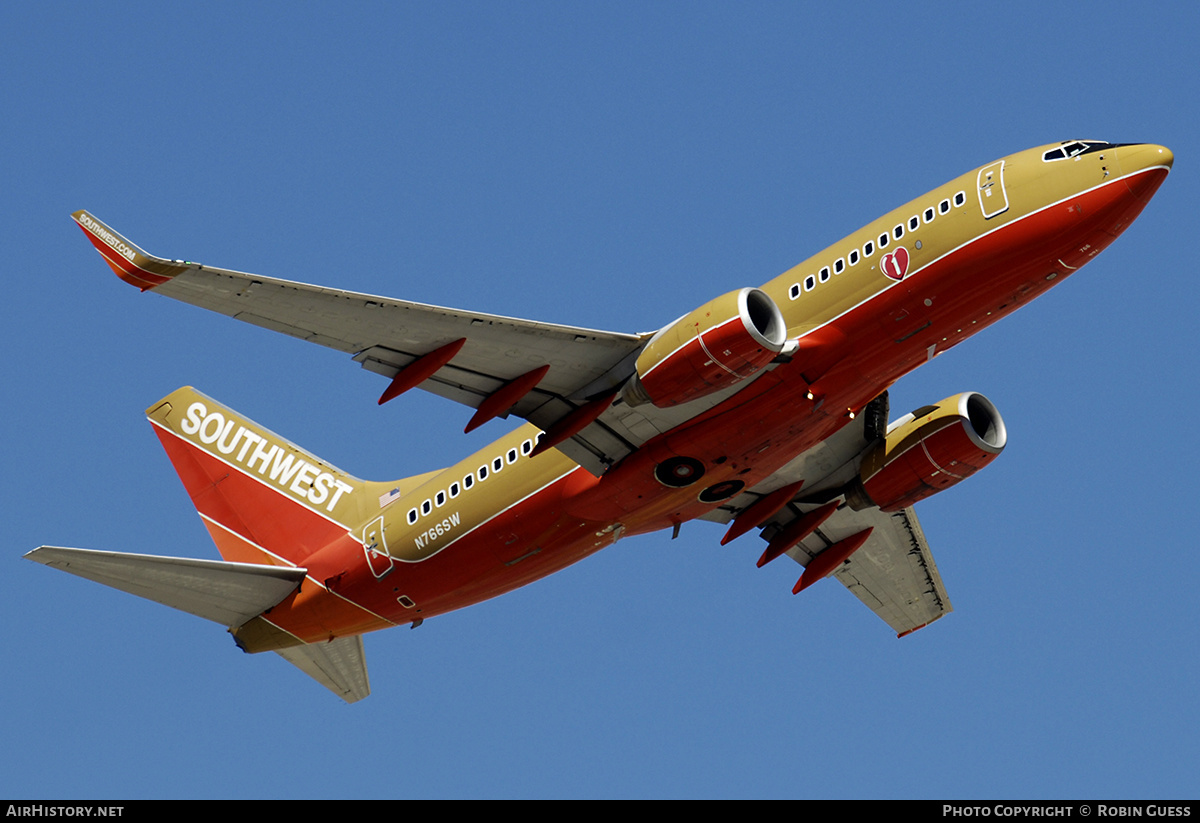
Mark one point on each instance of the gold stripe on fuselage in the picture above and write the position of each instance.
(1029, 183)
(477, 489)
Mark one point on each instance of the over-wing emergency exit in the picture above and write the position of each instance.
(765, 408)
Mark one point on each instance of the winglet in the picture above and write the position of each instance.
(131, 264)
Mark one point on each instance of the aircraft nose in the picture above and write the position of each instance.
(1140, 156)
(1150, 158)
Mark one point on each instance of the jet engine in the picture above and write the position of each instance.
(724, 342)
(929, 450)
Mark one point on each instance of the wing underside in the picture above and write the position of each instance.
(386, 335)
(893, 573)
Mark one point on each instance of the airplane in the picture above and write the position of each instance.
(765, 408)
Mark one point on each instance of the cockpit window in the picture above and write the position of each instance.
(1074, 148)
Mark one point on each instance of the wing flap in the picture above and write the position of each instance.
(226, 593)
(893, 574)
(499, 347)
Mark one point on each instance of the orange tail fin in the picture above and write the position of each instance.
(263, 499)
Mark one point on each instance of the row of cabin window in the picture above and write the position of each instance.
(497, 464)
(868, 248)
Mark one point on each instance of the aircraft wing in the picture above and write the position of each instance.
(893, 573)
(386, 335)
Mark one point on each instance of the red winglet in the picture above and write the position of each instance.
(128, 262)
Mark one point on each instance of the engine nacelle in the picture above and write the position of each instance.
(724, 342)
(929, 450)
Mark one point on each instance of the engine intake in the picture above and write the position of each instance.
(929, 450)
(725, 341)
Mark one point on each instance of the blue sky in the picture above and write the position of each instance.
(612, 166)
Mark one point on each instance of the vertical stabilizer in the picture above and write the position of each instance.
(262, 498)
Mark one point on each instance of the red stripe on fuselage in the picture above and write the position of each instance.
(985, 279)
(529, 540)
(325, 607)
(252, 522)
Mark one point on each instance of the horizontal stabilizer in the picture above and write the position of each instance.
(226, 593)
(339, 665)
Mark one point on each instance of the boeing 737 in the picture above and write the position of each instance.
(765, 408)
